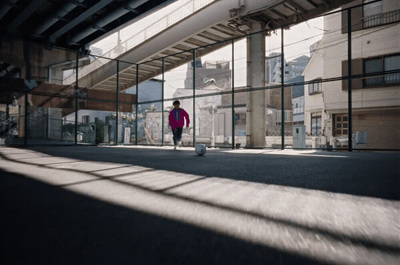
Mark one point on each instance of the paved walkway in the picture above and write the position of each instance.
(153, 205)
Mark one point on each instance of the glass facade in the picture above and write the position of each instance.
(307, 84)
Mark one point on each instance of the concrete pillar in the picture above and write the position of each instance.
(55, 75)
(35, 61)
(255, 104)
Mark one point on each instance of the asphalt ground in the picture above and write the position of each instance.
(154, 205)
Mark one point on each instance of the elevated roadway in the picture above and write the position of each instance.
(217, 23)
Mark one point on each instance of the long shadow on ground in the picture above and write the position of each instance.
(43, 224)
(361, 174)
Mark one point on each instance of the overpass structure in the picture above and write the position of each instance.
(206, 30)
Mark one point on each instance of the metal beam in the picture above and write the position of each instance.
(277, 13)
(25, 14)
(296, 6)
(98, 6)
(311, 2)
(62, 12)
(6, 7)
(132, 5)
(210, 36)
(228, 30)
(220, 33)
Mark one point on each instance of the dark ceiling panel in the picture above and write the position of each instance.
(80, 19)
(70, 24)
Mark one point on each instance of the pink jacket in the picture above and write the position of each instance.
(176, 118)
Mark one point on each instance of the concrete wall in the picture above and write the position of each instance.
(12, 52)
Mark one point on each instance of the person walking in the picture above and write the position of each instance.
(176, 121)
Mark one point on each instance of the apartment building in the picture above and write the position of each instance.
(375, 46)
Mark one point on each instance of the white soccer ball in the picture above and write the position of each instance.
(200, 149)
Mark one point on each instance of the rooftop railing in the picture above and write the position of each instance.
(382, 19)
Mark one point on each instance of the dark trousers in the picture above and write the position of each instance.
(177, 135)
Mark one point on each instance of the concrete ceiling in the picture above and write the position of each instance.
(69, 24)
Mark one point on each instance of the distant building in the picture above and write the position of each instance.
(209, 72)
(298, 100)
(273, 68)
(292, 74)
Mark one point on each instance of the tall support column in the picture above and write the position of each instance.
(282, 89)
(349, 90)
(137, 105)
(117, 105)
(255, 105)
(27, 58)
(233, 94)
(76, 96)
(162, 103)
(194, 98)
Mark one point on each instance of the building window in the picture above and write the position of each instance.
(341, 124)
(240, 118)
(372, 13)
(288, 114)
(85, 119)
(298, 107)
(392, 63)
(379, 65)
(316, 122)
(315, 87)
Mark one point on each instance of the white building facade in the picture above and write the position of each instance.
(375, 42)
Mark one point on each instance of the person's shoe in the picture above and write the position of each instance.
(180, 144)
(174, 147)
